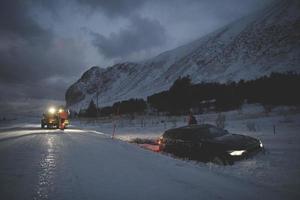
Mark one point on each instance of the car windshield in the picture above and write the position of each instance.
(195, 132)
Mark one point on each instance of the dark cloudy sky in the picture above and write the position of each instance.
(46, 45)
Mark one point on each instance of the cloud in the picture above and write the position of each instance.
(31, 53)
(43, 48)
(115, 8)
(19, 35)
(15, 20)
(178, 22)
(142, 34)
(30, 68)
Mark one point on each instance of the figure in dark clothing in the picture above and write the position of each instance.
(192, 119)
(62, 117)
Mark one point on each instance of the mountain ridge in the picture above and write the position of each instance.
(256, 45)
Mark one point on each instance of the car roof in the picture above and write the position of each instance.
(191, 132)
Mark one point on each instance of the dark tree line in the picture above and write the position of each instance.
(130, 106)
(177, 99)
(276, 89)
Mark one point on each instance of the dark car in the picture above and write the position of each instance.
(208, 143)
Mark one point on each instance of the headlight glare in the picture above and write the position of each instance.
(236, 152)
(51, 110)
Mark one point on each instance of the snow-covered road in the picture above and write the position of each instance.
(79, 164)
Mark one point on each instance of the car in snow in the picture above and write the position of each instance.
(208, 143)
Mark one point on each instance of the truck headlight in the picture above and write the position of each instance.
(236, 153)
(51, 110)
(261, 144)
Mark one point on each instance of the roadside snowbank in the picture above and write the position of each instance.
(278, 168)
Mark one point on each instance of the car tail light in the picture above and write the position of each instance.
(160, 140)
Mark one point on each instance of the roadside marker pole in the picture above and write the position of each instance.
(114, 130)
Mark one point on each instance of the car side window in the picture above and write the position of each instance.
(217, 132)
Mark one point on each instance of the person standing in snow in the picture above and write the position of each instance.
(192, 120)
(62, 116)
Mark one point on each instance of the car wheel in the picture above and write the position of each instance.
(221, 160)
(217, 160)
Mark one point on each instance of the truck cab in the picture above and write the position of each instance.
(55, 118)
(50, 119)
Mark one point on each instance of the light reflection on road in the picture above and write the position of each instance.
(6, 134)
(48, 163)
(46, 175)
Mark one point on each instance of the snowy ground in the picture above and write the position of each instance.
(278, 168)
(83, 164)
(79, 164)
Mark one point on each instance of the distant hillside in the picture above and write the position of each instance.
(264, 42)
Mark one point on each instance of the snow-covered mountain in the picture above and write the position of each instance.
(256, 45)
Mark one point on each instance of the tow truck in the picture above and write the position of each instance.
(55, 118)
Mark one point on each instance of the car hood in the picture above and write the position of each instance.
(238, 142)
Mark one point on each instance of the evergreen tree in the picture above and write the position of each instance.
(275, 89)
(91, 110)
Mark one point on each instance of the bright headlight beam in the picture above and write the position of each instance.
(260, 144)
(236, 153)
(51, 110)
